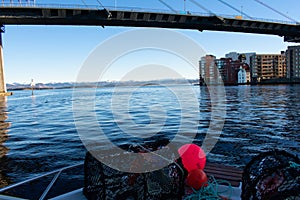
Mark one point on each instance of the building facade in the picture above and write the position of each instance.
(246, 68)
(268, 66)
(236, 55)
(229, 70)
(222, 65)
(293, 62)
(208, 71)
(243, 76)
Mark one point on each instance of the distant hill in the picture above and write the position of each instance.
(40, 86)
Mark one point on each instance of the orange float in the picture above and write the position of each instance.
(192, 156)
(196, 179)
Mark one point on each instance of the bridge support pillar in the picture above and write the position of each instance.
(3, 91)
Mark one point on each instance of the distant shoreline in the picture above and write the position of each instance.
(70, 85)
(148, 84)
(257, 84)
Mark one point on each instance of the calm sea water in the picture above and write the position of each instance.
(38, 133)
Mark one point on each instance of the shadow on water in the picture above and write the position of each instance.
(4, 125)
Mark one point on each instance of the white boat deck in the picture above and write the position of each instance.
(74, 195)
(232, 175)
(2, 197)
(78, 195)
(235, 194)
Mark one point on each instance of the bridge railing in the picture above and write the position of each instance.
(80, 6)
(133, 9)
(35, 5)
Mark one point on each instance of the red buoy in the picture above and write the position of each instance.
(196, 179)
(192, 156)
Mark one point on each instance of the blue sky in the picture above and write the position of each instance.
(56, 53)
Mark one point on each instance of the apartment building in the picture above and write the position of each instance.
(269, 66)
(293, 62)
(208, 71)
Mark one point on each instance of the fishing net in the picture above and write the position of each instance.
(103, 182)
(212, 191)
(273, 175)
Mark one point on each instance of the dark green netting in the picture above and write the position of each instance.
(103, 182)
(273, 175)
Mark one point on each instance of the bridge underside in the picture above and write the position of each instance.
(94, 17)
(292, 39)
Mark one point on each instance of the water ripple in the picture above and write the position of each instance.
(38, 134)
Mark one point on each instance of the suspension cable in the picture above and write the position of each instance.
(167, 5)
(232, 7)
(278, 12)
(202, 7)
(105, 9)
(101, 4)
(83, 1)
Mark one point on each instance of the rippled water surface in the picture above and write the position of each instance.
(38, 133)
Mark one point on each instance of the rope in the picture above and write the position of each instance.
(211, 191)
(294, 165)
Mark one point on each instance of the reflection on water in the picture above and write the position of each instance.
(259, 119)
(4, 125)
(42, 135)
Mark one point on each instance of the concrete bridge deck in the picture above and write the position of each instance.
(132, 18)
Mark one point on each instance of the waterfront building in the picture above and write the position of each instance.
(236, 55)
(248, 76)
(229, 70)
(208, 71)
(232, 55)
(223, 65)
(242, 76)
(268, 66)
(293, 63)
